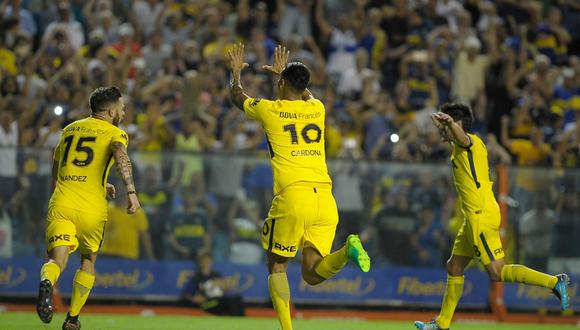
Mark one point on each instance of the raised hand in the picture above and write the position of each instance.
(443, 118)
(236, 55)
(280, 60)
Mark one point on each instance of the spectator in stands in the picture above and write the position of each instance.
(428, 240)
(126, 234)
(156, 52)
(536, 228)
(295, 18)
(206, 290)
(342, 41)
(6, 247)
(188, 166)
(146, 14)
(244, 222)
(392, 227)
(567, 230)
(155, 201)
(25, 19)
(8, 152)
(416, 89)
(72, 30)
(188, 231)
(350, 85)
(470, 67)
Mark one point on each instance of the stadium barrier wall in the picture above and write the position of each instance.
(166, 280)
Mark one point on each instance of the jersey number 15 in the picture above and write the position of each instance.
(80, 147)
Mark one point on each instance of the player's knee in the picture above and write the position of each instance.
(453, 268)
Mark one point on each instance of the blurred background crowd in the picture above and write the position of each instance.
(379, 66)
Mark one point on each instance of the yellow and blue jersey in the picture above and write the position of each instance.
(471, 176)
(295, 133)
(84, 159)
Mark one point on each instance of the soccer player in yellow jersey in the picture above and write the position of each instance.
(478, 237)
(303, 212)
(77, 211)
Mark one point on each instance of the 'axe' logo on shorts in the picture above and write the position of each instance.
(497, 251)
(61, 237)
(285, 248)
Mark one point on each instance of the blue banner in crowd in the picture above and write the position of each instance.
(166, 280)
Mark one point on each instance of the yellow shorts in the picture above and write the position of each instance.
(303, 214)
(479, 238)
(75, 229)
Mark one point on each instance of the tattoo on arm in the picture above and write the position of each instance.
(237, 94)
(123, 165)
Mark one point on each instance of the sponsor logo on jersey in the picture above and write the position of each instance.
(61, 237)
(293, 115)
(289, 248)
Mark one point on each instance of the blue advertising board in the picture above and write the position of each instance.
(165, 280)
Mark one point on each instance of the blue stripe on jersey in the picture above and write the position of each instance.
(486, 247)
(472, 166)
(271, 240)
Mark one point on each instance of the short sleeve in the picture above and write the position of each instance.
(120, 136)
(255, 107)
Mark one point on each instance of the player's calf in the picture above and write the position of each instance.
(494, 270)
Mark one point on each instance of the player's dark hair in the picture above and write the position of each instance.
(459, 112)
(297, 75)
(102, 97)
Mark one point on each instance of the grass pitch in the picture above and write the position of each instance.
(29, 321)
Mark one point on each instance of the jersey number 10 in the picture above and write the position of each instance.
(79, 148)
(310, 127)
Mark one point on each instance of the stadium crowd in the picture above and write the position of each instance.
(380, 67)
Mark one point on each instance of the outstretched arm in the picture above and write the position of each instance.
(237, 64)
(123, 165)
(452, 129)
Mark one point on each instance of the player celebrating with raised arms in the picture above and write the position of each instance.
(303, 212)
(478, 237)
(77, 211)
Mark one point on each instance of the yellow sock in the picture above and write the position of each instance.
(332, 263)
(82, 285)
(523, 274)
(453, 292)
(50, 271)
(280, 294)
